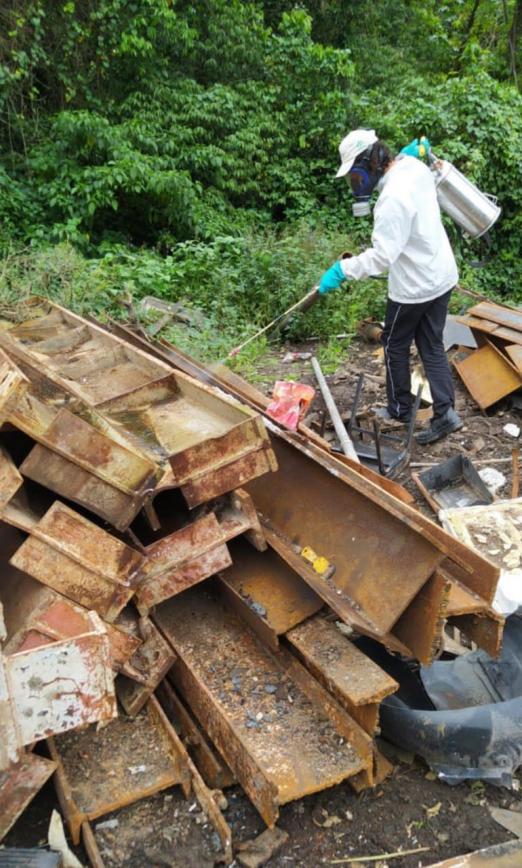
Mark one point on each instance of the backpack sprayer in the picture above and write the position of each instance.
(473, 211)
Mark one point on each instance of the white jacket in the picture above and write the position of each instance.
(408, 237)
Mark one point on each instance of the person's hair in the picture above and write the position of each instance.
(380, 156)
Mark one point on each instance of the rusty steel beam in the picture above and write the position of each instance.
(277, 728)
(19, 784)
(266, 593)
(180, 560)
(128, 760)
(10, 478)
(355, 681)
(151, 662)
(211, 765)
(35, 614)
(211, 442)
(76, 558)
(59, 686)
(13, 384)
(383, 550)
(99, 771)
(229, 381)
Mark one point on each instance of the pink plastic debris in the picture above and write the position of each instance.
(290, 402)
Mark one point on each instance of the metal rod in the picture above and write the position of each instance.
(346, 444)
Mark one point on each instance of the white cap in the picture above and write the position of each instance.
(351, 146)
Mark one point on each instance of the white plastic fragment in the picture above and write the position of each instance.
(57, 842)
(107, 824)
(494, 479)
(512, 429)
(508, 596)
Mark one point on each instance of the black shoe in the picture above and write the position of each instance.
(440, 426)
(384, 415)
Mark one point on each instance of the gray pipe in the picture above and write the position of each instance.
(344, 439)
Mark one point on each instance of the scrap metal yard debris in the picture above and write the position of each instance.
(177, 577)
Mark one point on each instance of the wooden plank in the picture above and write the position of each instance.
(488, 376)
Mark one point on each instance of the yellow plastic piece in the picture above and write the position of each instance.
(319, 563)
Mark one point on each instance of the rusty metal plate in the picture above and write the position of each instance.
(85, 563)
(505, 316)
(486, 630)
(188, 423)
(68, 480)
(10, 478)
(380, 562)
(180, 560)
(151, 662)
(279, 731)
(233, 475)
(346, 672)
(488, 375)
(62, 685)
(211, 765)
(19, 785)
(102, 770)
(13, 384)
(514, 352)
(36, 615)
(118, 465)
(266, 592)
(421, 626)
(462, 601)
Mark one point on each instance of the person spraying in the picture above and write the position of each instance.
(410, 243)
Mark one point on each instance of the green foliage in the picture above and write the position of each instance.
(188, 149)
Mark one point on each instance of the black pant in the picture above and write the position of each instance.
(424, 323)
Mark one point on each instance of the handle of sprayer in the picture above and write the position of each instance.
(301, 305)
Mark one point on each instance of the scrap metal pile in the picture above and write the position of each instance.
(182, 581)
(494, 369)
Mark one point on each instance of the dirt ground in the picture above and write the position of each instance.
(412, 809)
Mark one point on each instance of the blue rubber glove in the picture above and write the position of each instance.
(331, 279)
(417, 148)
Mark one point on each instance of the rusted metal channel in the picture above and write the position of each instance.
(266, 593)
(350, 676)
(19, 784)
(99, 771)
(280, 732)
(126, 761)
(75, 557)
(60, 686)
(222, 377)
(36, 615)
(122, 397)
